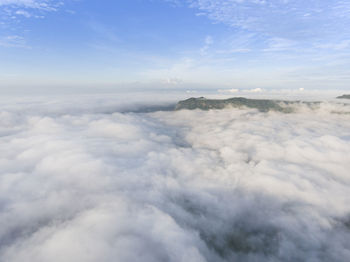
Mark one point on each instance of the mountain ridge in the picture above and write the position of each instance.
(263, 105)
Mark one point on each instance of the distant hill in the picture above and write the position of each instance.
(263, 105)
(344, 97)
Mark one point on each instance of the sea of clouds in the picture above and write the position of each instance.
(96, 179)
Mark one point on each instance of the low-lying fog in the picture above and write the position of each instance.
(96, 180)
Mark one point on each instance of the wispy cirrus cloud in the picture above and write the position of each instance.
(278, 33)
(207, 43)
(13, 41)
(47, 5)
(298, 22)
(12, 10)
(278, 25)
(293, 17)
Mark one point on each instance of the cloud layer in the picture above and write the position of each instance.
(229, 185)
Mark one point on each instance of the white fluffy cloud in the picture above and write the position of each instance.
(88, 183)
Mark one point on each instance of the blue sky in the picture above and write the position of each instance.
(47, 44)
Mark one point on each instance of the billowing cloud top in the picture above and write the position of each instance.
(82, 184)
